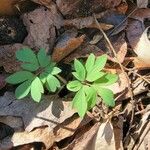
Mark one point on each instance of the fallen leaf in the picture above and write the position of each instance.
(49, 112)
(2, 81)
(122, 8)
(142, 3)
(142, 47)
(43, 2)
(67, 43)
(83, 51)
(87, 22)
(41, 31)
(8, 57)
(104, 139)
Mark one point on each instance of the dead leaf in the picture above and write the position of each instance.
(41, 25)
(8, 58)
(142, 3)
(49, 112)
(139, 64)
(83, 51)
(104, 139)
(67, 43)
(43, 2)
(87, 22)
(122, 8)
(2, 81)
(142, 47)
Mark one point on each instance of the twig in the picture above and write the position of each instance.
(61, 79)
(122, 69)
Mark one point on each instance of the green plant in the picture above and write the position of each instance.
(91, 82)
(38, 71)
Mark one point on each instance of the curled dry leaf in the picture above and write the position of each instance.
(8, 57)
(142, 47)
(87, 22)
(67, 43)
(50, 112)
(41, 25)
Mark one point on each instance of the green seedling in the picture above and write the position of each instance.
(38, 71)
(91, 82)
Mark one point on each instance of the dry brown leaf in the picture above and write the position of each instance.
(142, 3)
(104, 139)
(83, 51)
(122, 8)
(45, 135)
(49, 112)
(41, 25)
(67, 43)
(8, 58)
(43, 2)
(87, 22)
(2, 81)
(139, 64)
(142, 47)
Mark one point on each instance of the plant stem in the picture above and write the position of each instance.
(61, 79)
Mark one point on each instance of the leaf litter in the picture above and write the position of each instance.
(67, 30)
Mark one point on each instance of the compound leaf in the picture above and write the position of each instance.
(74, 86)
(43, 58)
(53, 83)
(27, 55)
(80, 70)
(43, 77)
(19, 77)
(80, 103)
(23, 89)
(36, 89)
(107, 96)
(90, 62)
(56, 71)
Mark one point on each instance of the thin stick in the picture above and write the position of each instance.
(122, 69)
(61, 79)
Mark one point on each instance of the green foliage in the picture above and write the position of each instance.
(38, 72)
(90, 83)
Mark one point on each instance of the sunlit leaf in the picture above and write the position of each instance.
(107, 79)
(94, 75)
(80, 70)
(90, 62)
(74, 86)
(43, 58)
(80, 103)
(36, 89)
(106, 95)
(56, 71)
(53, 83)
(19, 77)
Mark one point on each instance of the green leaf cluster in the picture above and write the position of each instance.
(91, 81)
(38, 71)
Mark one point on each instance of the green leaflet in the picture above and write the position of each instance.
(79, 103)
(107, 96)
(100, 62)
(19, 77)
(29, 67)
(23, 89)
(52, 83)
(36, 89)
(27, 55)
(91, 96)
(56, 71)
(90, 63)
(94, 75)
(80, 70)
(74, 86)
(43, 77)
(107, 79)
(43, 59)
